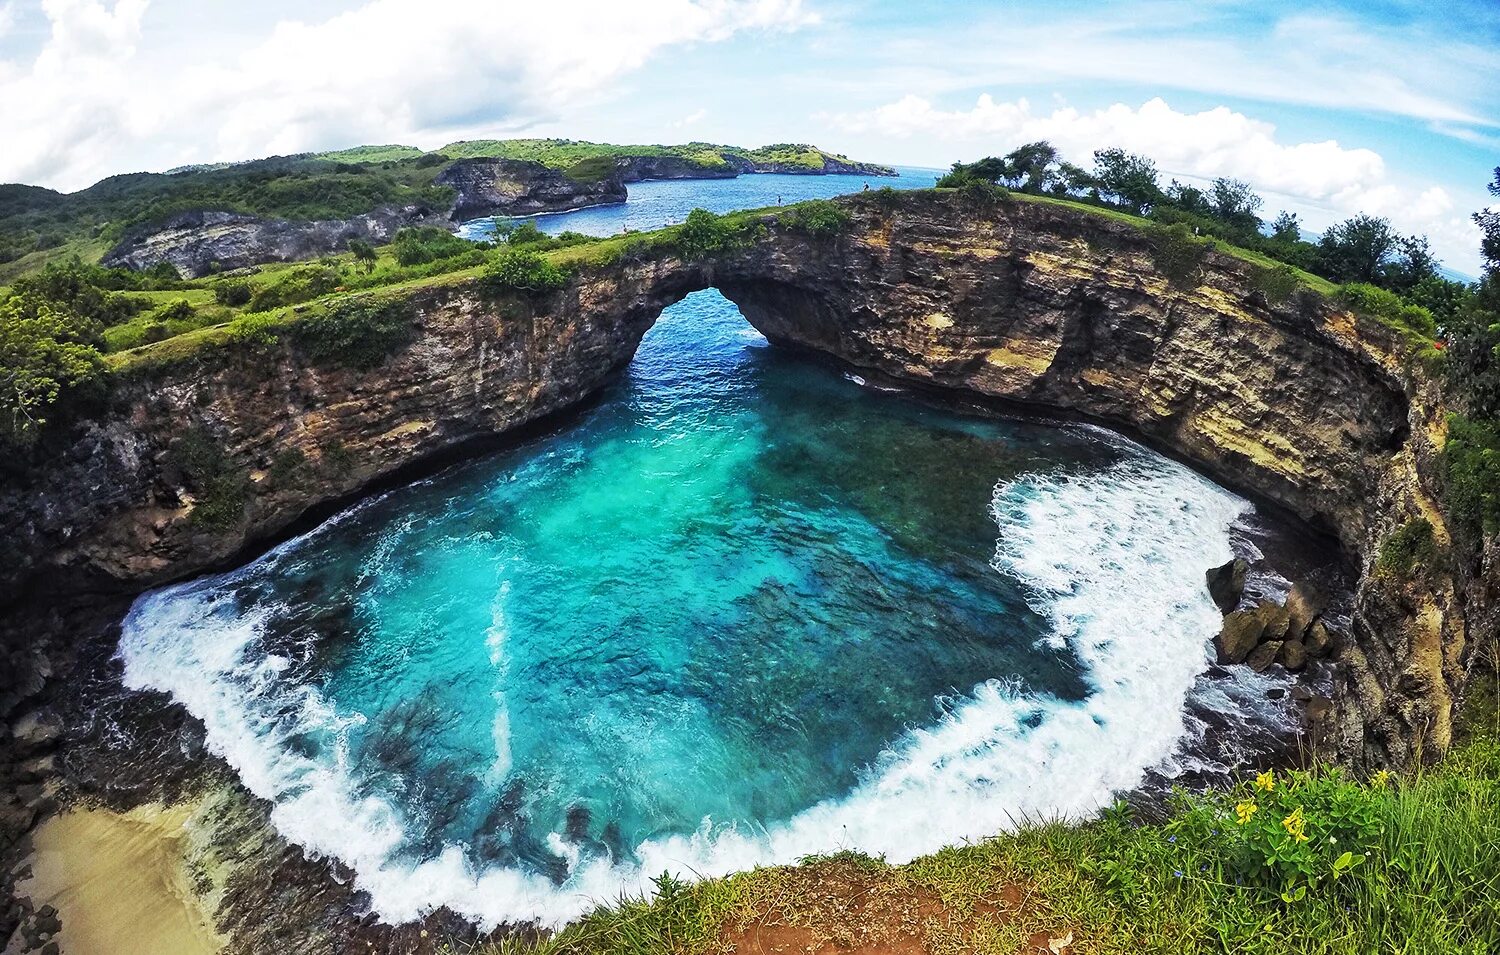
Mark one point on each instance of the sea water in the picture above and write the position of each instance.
(743, 609)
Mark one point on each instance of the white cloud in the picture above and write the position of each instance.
(1324, 181)
(694, 117)
(389, 70)
(7, 18)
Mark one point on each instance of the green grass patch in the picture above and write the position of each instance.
(1410, 549)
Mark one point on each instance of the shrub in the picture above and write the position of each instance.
(1277, 284)
(234, 293)
(818, 217)
(1409, 548)
(1471, 477)
(427, 244)
(222, 490)
(287, 466)
(180, 310)
(1178, 253)
(703, 235)
(355, 332)
(1387, 307)
(982, 192)
(522, 270)
(302, 285)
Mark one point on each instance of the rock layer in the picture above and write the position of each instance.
(201, 243)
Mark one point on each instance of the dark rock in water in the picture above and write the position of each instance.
(200, 243)
(1293, 655)
(509, 187)
(1242, 632)
(1263, 656)
(1303, 606)
(1275, 693)
(1319, 641)
(1227, 583)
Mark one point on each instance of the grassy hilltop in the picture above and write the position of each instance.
(40, 225)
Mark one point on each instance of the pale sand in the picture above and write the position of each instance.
(119, 883)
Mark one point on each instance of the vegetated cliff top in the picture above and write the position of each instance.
(39, 225)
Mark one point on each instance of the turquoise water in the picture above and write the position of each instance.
(663, 202)
(744, 608)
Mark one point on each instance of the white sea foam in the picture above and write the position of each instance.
(1113, 558)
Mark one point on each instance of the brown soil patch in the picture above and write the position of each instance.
(849, 908)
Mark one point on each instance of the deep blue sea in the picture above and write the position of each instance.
(745, 608)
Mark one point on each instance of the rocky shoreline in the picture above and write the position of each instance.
(1035, 305)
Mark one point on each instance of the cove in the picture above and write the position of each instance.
(745, 609)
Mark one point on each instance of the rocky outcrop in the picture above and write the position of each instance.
(642, 168)
(513, 187)
(832, 166)
(204, 242)
(1227, 583)
(1026, 303)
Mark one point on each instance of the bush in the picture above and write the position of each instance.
(234, 293)
(1409, 548)
(982, 192)
(355, 332)
(222, 490)
(302, 285)
(427, 244)
(704, 235)
(818, 217)
(1471, 477)
(1387, 307)
(1276, 284)
(1178, 253)
(522, 270)
(180, 310)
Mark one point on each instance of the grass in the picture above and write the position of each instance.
(1415, 870)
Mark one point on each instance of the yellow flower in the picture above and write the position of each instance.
(1380, 779)
(1245, 810)
(1295, 825)
(1265, 781)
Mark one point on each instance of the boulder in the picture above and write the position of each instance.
(1263, 656)
(1277, 620)
(1241, 633)
(1319, 641)
(1303, 606)
(1293, 655)
(1227, 583)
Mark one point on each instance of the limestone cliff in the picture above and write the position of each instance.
(1031, 303)
(513, 187)
(200, 243)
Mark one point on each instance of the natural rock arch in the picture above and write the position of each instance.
(1023, 302)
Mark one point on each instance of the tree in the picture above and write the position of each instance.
(1355, 250)
(45, 350)
(1235, 203)
(364, 254)
(1189, 199)
(1488, 221)
(1414, 264)
(1286, 228)
(1127, 179)
(1072, 180)
(1030, 166)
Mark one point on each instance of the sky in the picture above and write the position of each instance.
(1384, 106)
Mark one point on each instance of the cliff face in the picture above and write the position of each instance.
(512, 187)
(199, 243)
(1022, 302)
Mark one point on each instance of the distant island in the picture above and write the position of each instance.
(201, 219)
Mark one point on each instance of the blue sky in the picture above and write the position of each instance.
(1329, 108)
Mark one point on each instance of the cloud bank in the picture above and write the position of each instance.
(412, 69)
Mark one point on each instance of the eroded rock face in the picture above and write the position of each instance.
(201, 243)
(1028, 303)
(512, 187)
(1227, 583)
